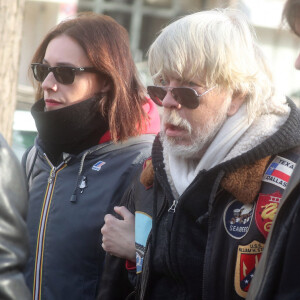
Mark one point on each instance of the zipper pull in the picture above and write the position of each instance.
(52, 175)
(83, 184)
(171, 213)
(73, 198)
(173, 207)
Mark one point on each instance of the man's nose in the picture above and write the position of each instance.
(170, 102)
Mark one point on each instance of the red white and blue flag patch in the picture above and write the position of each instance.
(97, 166)
(247, 260)
(279, 171)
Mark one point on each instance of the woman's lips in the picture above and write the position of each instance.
(52, 102)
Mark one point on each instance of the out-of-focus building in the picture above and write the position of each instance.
(280, 46)
(144, 19)
(39, 17)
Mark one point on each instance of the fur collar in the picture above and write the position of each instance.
(243, 184)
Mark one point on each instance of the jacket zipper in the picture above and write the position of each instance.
(170, 219)
(168, 261)
(145, 272)
(171, 213)
(42, 228)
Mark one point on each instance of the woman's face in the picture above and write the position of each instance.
(65, 51)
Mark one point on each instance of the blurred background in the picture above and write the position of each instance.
(143, 19)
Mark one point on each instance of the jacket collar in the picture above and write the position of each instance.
(243, 173)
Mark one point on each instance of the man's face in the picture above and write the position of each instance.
(297, 29)
(188, 132)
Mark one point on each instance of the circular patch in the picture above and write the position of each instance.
(237, 218)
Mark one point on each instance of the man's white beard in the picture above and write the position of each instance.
(200, 138)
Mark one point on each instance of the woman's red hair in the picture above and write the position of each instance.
(106, 45)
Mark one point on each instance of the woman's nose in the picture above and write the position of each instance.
(49, 82)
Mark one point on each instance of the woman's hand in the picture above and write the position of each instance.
(118, 235)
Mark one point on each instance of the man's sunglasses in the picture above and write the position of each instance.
(63, 74)
(185, 96)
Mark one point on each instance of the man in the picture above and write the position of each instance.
(13, 232)
(205, 201)
(277, 275)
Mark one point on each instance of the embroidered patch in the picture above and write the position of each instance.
(97, 166)
(237, 218)
(279, 171)
(248, 257)
(143, 225)
(265, 211)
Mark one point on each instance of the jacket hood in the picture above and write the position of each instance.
(287, 137)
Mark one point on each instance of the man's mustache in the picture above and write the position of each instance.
(171, 117)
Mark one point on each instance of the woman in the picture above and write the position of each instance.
(93, 124)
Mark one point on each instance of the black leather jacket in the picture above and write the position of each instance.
(13, 233)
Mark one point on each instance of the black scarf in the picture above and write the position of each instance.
(71, 129)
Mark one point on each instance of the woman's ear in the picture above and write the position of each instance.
(106, 86)
(237, 100)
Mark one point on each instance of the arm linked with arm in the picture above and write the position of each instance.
(115, 284)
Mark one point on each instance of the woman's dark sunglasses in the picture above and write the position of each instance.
(63, 74)
(185, 96)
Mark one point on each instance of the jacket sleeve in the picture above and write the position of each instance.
(13, 233)
(288, 287)
(277, 277)
(115, 283)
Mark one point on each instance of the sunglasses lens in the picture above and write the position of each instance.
(157, 94)
(64, 75)
(186, 97)
(40, 72)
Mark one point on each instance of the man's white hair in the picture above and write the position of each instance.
(216, 47)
